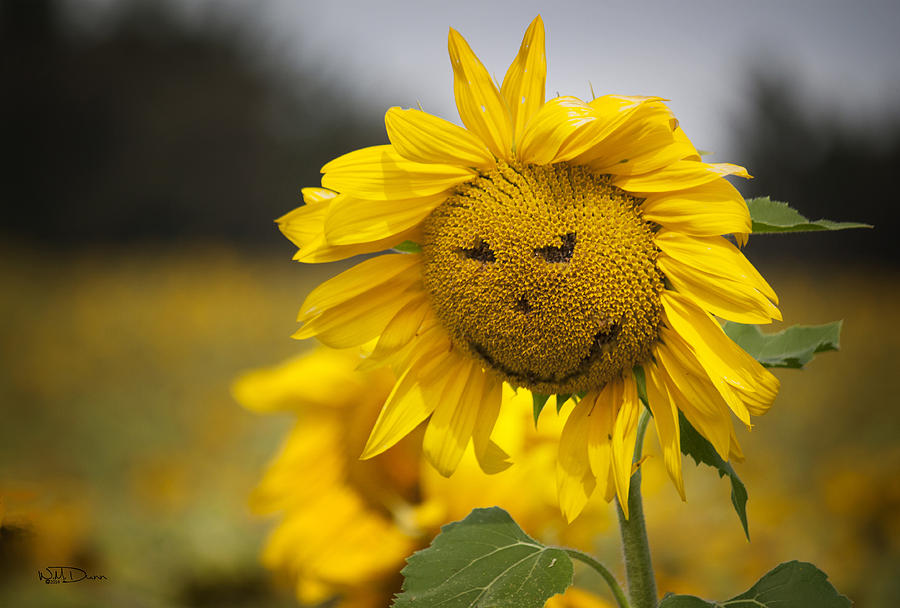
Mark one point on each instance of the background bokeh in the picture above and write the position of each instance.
(147, 147)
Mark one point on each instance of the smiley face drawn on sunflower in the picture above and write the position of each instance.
(547, 274)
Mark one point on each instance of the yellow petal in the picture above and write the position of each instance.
(403, 327)
(709, 210)
(713, 255)
(709, 395)
(380, 173)
(304, 224)
(481, 107)
(716, 428)
(355, 306)
(313, 591)
(574, 479)
(757, 403)
(423, 138)
(315, 441)
(406, 406)
(283, 387)
(305, 227)
(679, 175)
(491, 457)
(659, 151)
(353, 220)
(713, 393)
(696, 397)
(358, 320)
(429, 335)
(618, 109)
(312, 196)
(719, 356)
(624, 437)
(686, 144)
(552, 126)
(450, 428)
(644, 142)
(604, 406)
(566, 128)
(523, 85)
(325, 522)
(724, 297)
(665, 416)
(318, 250)
(335, 540)
(360, 278)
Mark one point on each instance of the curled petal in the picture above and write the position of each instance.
(712, 209)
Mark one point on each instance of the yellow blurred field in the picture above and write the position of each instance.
(122, 452)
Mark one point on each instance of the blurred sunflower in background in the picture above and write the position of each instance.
(562, 246)
(346, 526)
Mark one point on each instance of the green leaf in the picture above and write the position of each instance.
(408, 247)
(793, 347)
(696, 446)
(773, 216)
(686, 601)
(790, 585)
(539, 402)
(484, 561)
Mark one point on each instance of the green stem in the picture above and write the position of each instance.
(638, 569)
(606, 574)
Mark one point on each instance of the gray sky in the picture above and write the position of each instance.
(694, 52)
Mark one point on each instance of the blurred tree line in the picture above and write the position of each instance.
(808, 155)
(155, 128)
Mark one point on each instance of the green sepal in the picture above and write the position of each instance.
(773, 216)
(793, 347)
(484, 561)
(561, 400)
(539, 401)
(696, 446)
(408, 247)
(641, 381)
(790, 585)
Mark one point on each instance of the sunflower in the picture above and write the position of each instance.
(562, 246)
(345, 525)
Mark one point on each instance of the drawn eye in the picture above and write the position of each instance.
(607, 335)
(558, 253)
(480, 252)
